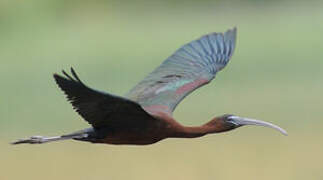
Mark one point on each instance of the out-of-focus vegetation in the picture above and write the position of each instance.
(275, 75)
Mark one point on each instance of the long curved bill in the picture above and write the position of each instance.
(246, 121)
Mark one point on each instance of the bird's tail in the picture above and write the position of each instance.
(79, 135)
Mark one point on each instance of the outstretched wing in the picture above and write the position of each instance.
(98, 108)
(190, 67)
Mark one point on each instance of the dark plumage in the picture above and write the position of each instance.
(144, 115)
(99, 108)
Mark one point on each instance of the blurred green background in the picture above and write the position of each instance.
(275, 75)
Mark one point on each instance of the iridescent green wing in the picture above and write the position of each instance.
(189, 68)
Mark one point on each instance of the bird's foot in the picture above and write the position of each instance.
(32, 140)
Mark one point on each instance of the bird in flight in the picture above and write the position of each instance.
(144, 115)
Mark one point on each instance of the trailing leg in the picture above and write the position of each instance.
(79, 135)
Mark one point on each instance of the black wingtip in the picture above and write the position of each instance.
(67, 75)
(56, 75)
(60, 79)
(75, 75)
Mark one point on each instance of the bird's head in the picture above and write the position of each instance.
(229, 122)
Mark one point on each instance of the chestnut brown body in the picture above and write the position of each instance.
(157, 128)
(144, 115)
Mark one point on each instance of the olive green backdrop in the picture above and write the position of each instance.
(276, 74)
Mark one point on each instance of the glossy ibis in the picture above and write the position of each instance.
(144, 115)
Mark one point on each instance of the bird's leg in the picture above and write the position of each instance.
(79, 135)
(43, 139)
(38, 140)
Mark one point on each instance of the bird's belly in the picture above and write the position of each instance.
(135, 136)
(126, 138)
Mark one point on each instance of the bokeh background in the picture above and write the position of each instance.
(275, 75)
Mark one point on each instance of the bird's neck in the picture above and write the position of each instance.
(176, 130)
(192, 132)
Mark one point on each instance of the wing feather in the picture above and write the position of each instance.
(189, 68)
(99, 108)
